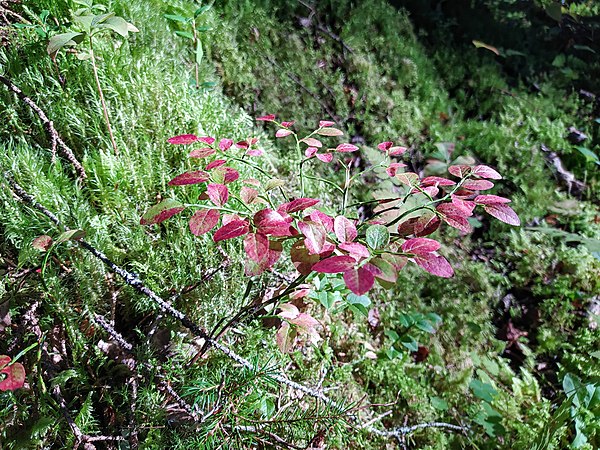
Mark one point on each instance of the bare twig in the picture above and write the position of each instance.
(56, 140)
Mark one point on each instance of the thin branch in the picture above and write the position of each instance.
(56, 140)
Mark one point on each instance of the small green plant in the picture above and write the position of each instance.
(190, 31)
(407, 335)
(584, 401)
(88, 22)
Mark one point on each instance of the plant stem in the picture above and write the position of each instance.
(104, 110)
(195, 59)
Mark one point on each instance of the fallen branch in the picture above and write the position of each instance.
(55, 139)
(133, 281)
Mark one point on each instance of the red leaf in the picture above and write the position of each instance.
(344, 229)
(282, 132)
(203, 221)
(407, 227)
(436, 265)
(325, 157)
(486, 172)
(393, 168)
(359, 281)
(420, 246)
(503, 213)
(225, 144)
(322, 218)
(345, 148)
(315, 236)
(436, 181)
(198, 176)
(297, 205)
(242, 144)
(217, 193)
(490, 200)
(312, 142)
(385, 146)
(355, 249)
(267, 118)
(231, 230)
(216, 163)
(460, 171)
(275, 250)
(454, 216)
(326, 123)
(467, 206)
(183, 139)
(302, 260)
(207, 140)
(271, 222)
(287, 124)
(202, 152)
(478, 185)
(15, 374)
(256, 246)
(42, 243)
(335, 264)
(248, 195)
(310, 152)
(229, 174)
(161, 212)
(254, 152)
(427, 224)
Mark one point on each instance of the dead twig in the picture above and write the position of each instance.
(55, 139)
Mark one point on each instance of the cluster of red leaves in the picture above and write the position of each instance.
(363, 253)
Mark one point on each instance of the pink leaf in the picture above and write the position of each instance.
(460, 171)
(256, 246)
(436, 181)
(226, 218)
(287, 124)
(282, 132)
(335, 264)
(275, 251)
(330, 132)
(232, 230)
(302, 260)
(271, 222)
(467, 206)
(486, 172)
(503, 212)
(216, 163)
(359, 281)
(315, 236)
(161, 212)
(393, 168)
(326, 123)
(42, 243)
(478, 185)
(305, 322)
(355, 249)
(312, 142)
(344, 229)
(15, 374)
(408, 178)
(297, 205)
(203, 221)
(255, 152)
(248, 195)
(454, 216)
(288, 311)
(345, 148)
(183, 139)
(385, 146)
(207, 140)
(225, 144)
(285, 337)
(251, 182)
(229, 174)
(198, 176)
(436, 265)
(202, 152)
(490, 200)
(310, 152)
(242, 144)
(267, 118)
(395, 151)
(427, 224)
(325, 157)
(420, 246)
(217, 193)
(385, 270)
(322, 218)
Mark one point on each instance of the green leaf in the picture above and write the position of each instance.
(185, 34)
(274, 183)
(439, 403)
(484, 391)
(177, 18)
(119, 26)
(101, 18)
(409, 342)
(589, 155)
(61, 40)
(425, 325)
(554, 11)
(203, 28)
(71, 235)
(480, 44)
(199, 52)
(201, 10)
(378, 237)
(391, 334)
